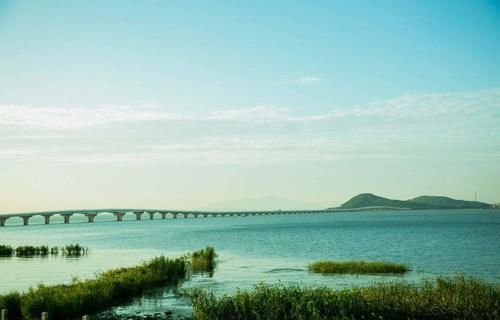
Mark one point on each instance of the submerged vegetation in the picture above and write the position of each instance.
(356, 267)
(71, 250)
(445, 298)
(89, 296)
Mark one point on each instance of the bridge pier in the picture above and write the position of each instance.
(46, 217)
(185, 215)
(214, 214)
(90, 217)
(25, 220)
(195, 215)
(174, 215)
(163, 215)
(119, 215)
(138, 215)
(151, 215)
(66, 217)
(205, 215)
(2, 221)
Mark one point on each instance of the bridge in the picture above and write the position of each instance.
(152, 213)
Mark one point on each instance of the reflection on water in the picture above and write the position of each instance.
(263, 248)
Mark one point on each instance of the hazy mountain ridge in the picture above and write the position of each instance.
(264, 203)
(421, 202)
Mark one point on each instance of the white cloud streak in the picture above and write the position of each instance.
(475, 104)
(303, 81)
(264, 134)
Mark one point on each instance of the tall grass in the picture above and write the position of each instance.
(29, 251)
(88, 296)
(11, 301)
(43, 251)
(79, 297)
(75, 250)
(354, 267)
(106, 289)
(203, 261)
(445, 298)
(6, 251)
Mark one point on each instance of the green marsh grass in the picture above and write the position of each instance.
(445, 298)
(30, 251)
(80, 297)
(6, 251)
(203, 261)
(73, 250)
(357, 267)
(88, 296)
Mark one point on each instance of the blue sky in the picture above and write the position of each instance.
(188, 103)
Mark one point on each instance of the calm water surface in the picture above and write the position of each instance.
(262, 248)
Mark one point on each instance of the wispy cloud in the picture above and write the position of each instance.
(15, 154)
(264, 134)
(305, 81)
(475, 104)
(302, 81)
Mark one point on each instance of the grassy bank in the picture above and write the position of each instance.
(89, 296)
(357, 267)
(445, 298)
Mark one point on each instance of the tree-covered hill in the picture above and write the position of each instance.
(422, 202)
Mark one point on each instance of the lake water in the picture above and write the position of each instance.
(262, 248)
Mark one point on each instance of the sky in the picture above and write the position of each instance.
(194, 104)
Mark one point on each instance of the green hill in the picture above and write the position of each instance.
(422, 202)
(448, 203)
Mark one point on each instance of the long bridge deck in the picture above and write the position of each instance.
(120, 213)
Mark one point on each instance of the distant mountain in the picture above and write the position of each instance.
(266, 203)
(422, 202)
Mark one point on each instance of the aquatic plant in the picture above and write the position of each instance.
(87, 296)
(6, 251)
(203, 260)
(445, 298)
(75, 250)
(29, 251)
(326, 267)
(106, 289)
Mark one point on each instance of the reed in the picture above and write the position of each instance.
(105, 290)
(6, 251)
(203, 261)
(445, 298)
(88, 296)
(357, 267)
(74, 250)
(11, 301)
(30, 251)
